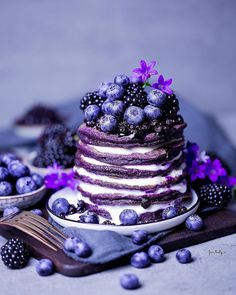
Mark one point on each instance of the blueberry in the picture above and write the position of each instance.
(114, 91)
(7, 158)
(108, 123)
(38, 179)
(169, 212)
(122, 80)
(184, 256)
(89, 218)
(128, 217)
(25, 185)
(156, 97)
(44, 267)
(114, 108)
(156, 253)
(194, 222)
(129, 281)
(11, 210)
(17, 169)
(5, 188)
(3, 173)
(103, 88)
(37, 212)
(134, 115)
(135, 79)
(140, 260)
(152, 112)
(139, 237)
(82, 249)
(92, 112)
(60, 207)
(71, 243)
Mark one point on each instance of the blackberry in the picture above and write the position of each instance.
(91, 98)
(108, 222)
(215, 195)
(171, 106)
(72, 209)
(81, 206)
(125, 129)
(56, 145)
(135, 95)
(145, 203)
(15, 254)
(142, 130)
(40, 115)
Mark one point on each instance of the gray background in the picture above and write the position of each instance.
(54, 51)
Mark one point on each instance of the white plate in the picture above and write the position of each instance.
(29, 131)
(153, 227)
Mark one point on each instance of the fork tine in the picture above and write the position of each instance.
(28, 231)
(46, 235)
(45, 223)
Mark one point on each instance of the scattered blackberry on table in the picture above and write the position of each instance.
(56, 145)
(215, 195)
(15, 254)
(91, 98)
(135, 95)
(170, 107)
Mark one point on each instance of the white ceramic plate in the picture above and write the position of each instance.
(191, 204)
(28, 160)
(30, 132)
(23, 201)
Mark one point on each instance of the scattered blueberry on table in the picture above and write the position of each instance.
(37, 212)
(156, 253)
(139, 237)
(11, 210)
(70, 244)
(130, 281)
(44, 267)
(184, 256)
(82, 249)
(194, 222)
(140, 260)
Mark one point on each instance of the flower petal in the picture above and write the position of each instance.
(161, 80)
(143, 65)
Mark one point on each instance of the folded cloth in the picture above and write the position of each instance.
(106, 245)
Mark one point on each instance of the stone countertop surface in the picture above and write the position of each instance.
(207, 274)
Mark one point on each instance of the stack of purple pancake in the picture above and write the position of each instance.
(124, 172)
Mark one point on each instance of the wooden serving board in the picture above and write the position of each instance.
(217, 224)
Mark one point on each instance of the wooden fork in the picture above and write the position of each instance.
(45, 241)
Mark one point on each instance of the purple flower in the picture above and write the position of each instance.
(229, 181)
(196, 170)
(214, 170)
(57, 179)
(163, 85)
(145, 71)
(192, 151)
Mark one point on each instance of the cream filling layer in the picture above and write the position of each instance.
(122, 151)
(116, 210)
(97, 189)
(152, 167)
(140, 182)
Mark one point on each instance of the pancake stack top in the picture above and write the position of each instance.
(130, 161)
